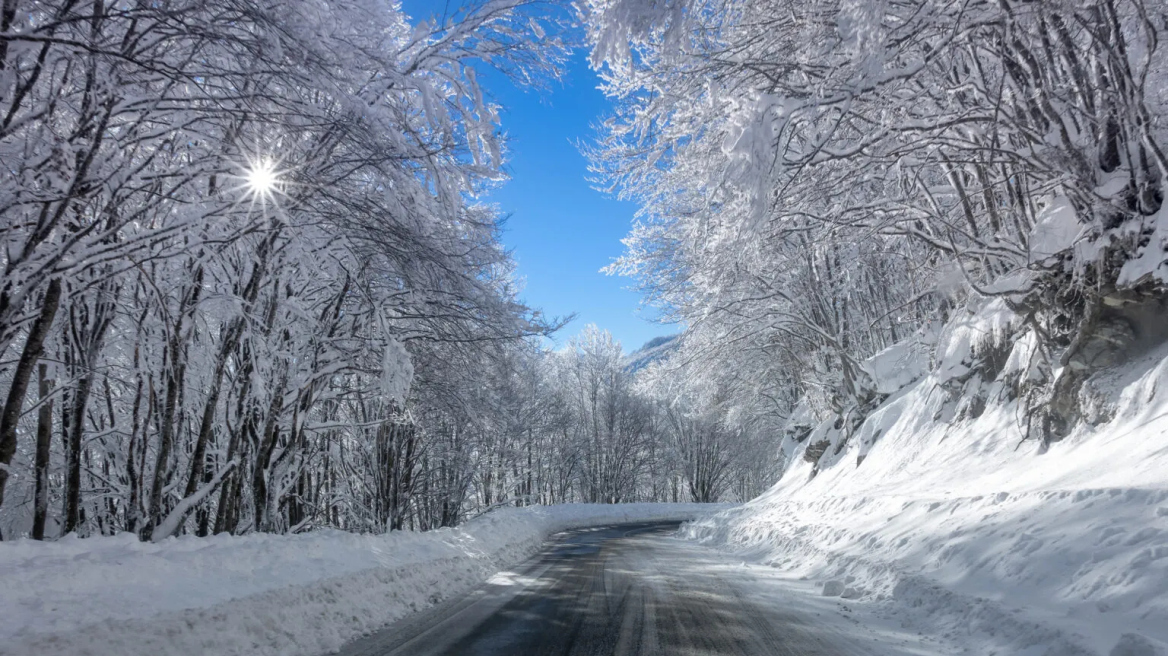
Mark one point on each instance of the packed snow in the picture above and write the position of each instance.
(962, 529)
(263, 594)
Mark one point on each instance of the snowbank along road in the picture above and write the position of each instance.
(625, 590)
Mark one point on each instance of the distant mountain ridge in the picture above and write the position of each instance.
(653, 350)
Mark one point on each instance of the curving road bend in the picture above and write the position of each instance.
(622, 591)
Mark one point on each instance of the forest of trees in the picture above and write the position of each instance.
(822, 179)
(249, 284)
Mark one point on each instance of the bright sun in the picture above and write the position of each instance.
(261, 178)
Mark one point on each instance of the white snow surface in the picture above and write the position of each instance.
(964, 530)
(1057, 230)
(305, 594)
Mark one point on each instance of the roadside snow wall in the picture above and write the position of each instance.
(936, 509)
(263, 594)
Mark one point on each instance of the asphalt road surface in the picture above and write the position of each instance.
(622, 590)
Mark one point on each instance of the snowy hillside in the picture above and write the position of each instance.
(263, 594)
(654, 350)
(936, 509)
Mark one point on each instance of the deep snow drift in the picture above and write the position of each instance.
(263, 594)
(960, 527)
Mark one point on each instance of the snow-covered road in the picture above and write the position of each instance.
(265, 595)
(638, 589)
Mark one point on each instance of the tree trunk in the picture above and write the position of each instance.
(73, 455)
(231, 338)
(28, 357)
(44, 441)
(89, 331)
(267, 444)
(175, 379)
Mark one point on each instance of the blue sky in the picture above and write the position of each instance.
(560, 229)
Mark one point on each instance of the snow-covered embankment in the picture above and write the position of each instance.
(263, 594)
(937, 512)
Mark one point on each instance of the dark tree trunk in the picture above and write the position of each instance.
(28, 357)
(264, 457)
(88, 328)
(44, 441)
(73, 454)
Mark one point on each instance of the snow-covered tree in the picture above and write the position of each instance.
(819, 180)
(234, 234)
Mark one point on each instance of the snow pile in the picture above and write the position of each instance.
(263, 594)
(898, 365)
(937, 510)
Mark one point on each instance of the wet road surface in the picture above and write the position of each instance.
(622, 590)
